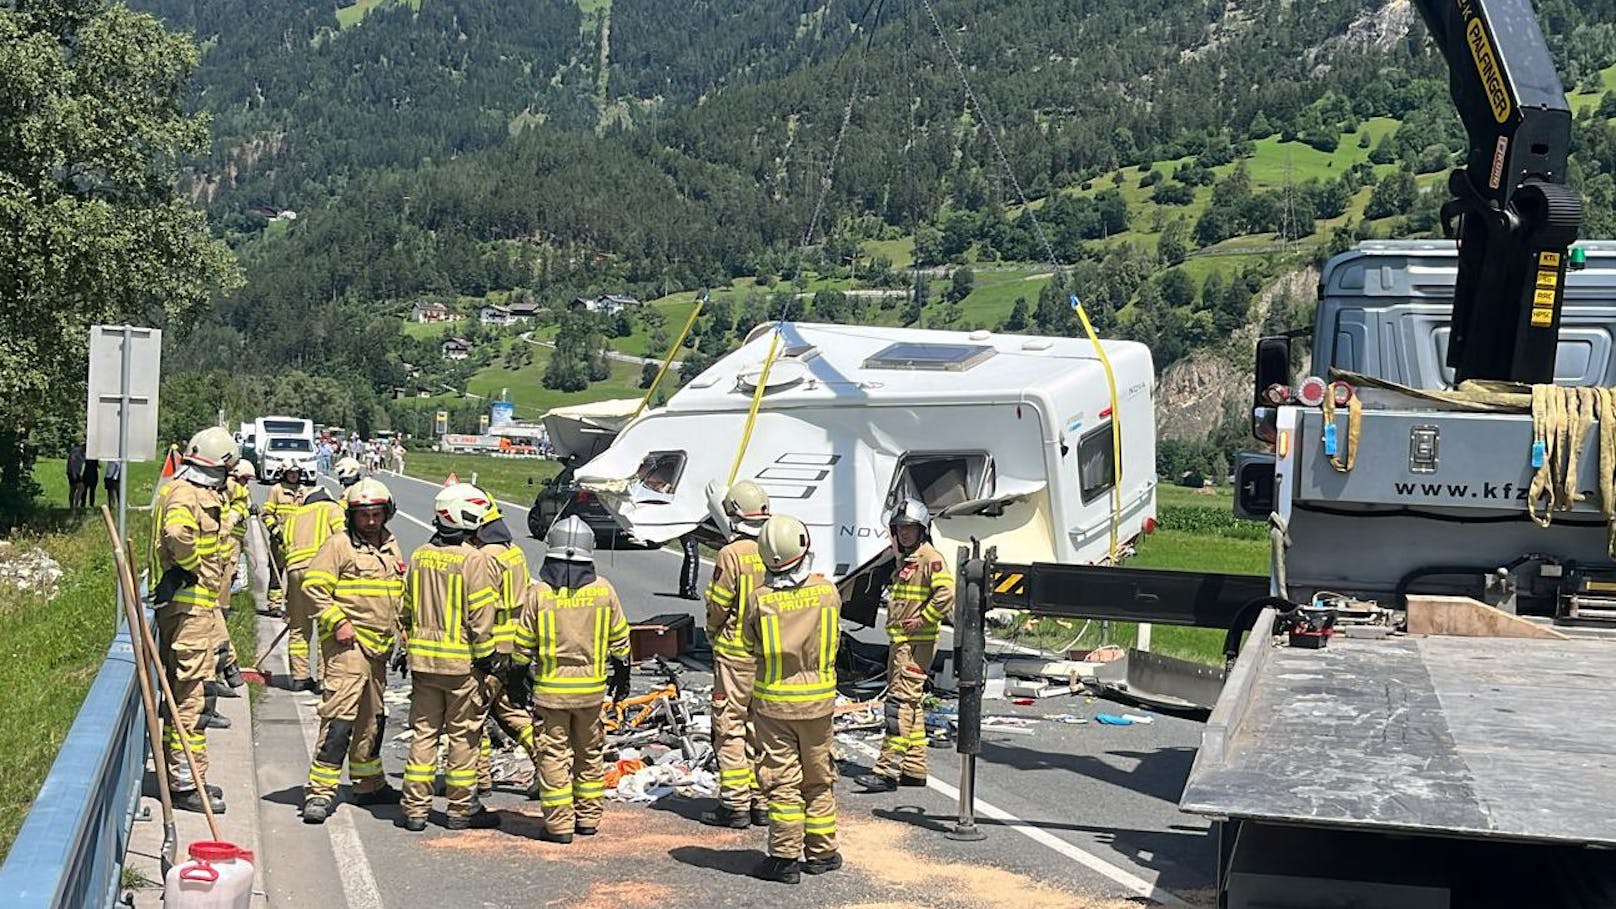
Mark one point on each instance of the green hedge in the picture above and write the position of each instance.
(1213, 521)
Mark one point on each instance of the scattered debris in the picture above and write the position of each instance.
(1019, 725)
(1126, 719)
(30, 570)
(1070, 719)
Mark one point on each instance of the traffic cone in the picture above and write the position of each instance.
(171, 462)
(452, 479)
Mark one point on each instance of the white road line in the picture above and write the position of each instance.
(405, 476)
(359, 888)
(1042, 837)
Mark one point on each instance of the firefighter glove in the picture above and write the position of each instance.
(493, 664)
(619, 682)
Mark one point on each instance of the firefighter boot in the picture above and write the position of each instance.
(725, 816)
(876, 782)
(316, 810)
(783, 870)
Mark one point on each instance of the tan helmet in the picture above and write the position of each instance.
(461, 506)
(212, 447)
(783, 543)
(369, 492)
(347, 471)
(570, 540)
(747, 507)
(244, 470)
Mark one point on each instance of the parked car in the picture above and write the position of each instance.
(562, 496)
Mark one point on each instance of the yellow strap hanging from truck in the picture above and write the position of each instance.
(1354, 427)
(1116, 424)
(757, 401)
(668, 360)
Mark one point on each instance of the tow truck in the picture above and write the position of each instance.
(1419, 707)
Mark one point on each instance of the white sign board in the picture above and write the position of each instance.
(124, 366)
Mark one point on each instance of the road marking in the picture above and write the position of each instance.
(359, 888)
(1042, 837)
(405, 476)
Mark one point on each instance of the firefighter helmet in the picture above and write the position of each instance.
(244, 470)
(368, 492)
(747, 507)
(783, 543)
(212, 448)
(570, 540)
(910, 511)
(461, 506)
(347, 471)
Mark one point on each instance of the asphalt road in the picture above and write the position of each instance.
(1075, 815)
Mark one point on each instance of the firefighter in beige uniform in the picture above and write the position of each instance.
(356, 586)
(922, 596)
(238, 511)
(284, 498)
(496, 561)
(737, 572)
(449, 629)
(188, 558)
(792, 628)
(303, 532)
(572, 626)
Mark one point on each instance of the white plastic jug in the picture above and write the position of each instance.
(218, 876)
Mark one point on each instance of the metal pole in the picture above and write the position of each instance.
(123, 445)
(970, 668)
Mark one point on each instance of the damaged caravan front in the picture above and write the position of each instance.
(1006, 438)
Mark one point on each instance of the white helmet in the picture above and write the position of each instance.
(212, 448)
(461, 506)
(783, 543)
(347, 471)
(244, 470)
(910, 511)
(746, 506)
(369, 492)
(570, 540)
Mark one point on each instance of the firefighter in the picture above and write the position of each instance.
(239, 508)
(189, 558)
(572, 625)
(356, 586)
(284, 498)
(922, 596)
(736, 573)
(303, 531)
(449, 633)
(498, 562)
(791, 627)
(347, 472)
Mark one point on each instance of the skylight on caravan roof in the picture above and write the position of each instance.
(938, 357)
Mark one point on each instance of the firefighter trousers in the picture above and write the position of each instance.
(443, 705)
(226, 648)
(185, 641)
(733, 733)
(798, 773)
(903, 751)
(353, 721)
(299, 619)
(572, 788)
(516, 723)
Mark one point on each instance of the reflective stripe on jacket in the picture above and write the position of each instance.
(446, 631)
(569, 633)
(737, 572)
(921, 587)
(352, 581)
(505, 567)
(793, 633)
(305, 528)
(189, 539)
(280, 503)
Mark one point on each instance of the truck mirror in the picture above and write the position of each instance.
(1265, 424)
(1271, 384)
(1254, 486)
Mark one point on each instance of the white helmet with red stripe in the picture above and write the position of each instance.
(462, 506)
(746, 506)
(212, 448)
(368, 492)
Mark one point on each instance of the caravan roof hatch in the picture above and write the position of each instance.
(921, 355)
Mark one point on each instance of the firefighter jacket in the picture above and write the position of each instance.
(793, 633)
(922, 586)
(448, 617)
(504, 567)
(737, 572)
(352, 581)
(279, 505)
(568, 633)
(238, 499)
(305, 528)
(190, 552)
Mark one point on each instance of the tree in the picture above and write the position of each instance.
(1393, 195)
(1173, 245)
(1017, 320)
(93, 227)
(960, 285)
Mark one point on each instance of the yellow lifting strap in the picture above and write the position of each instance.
(1561, 420)
(1354, 428)
(757, 401)
(668, 360)
(1116, 424)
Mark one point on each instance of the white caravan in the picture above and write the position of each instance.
(1006, 438)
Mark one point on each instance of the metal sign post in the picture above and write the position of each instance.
(121, 413)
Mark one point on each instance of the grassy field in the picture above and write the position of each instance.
(525, 387)
(512, 479)
(52, 650)
(353, 14)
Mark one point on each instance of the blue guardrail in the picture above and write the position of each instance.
(69, 853)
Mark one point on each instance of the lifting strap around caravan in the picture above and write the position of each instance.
(757, 401)
(667, 361)
(1116, 425)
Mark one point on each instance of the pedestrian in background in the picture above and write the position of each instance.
(75, 476)
(90, 478)
(111, 477)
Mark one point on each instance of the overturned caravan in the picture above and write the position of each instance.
(1006, 438)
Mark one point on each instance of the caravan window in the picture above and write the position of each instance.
(1096, 468)
(661, 469)
(941, 480)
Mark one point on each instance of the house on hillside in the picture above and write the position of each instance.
(495, 315)
(524, 312)
(428, 313)
(605, 304)
(456, 349)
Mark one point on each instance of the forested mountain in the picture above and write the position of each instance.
(462, 148)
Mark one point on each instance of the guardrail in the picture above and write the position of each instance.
(69, 853)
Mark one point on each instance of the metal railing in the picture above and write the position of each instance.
(69, 853)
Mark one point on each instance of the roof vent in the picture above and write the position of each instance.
(981, 334)
(1037, 345)
(783, 374)
(931, 357)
